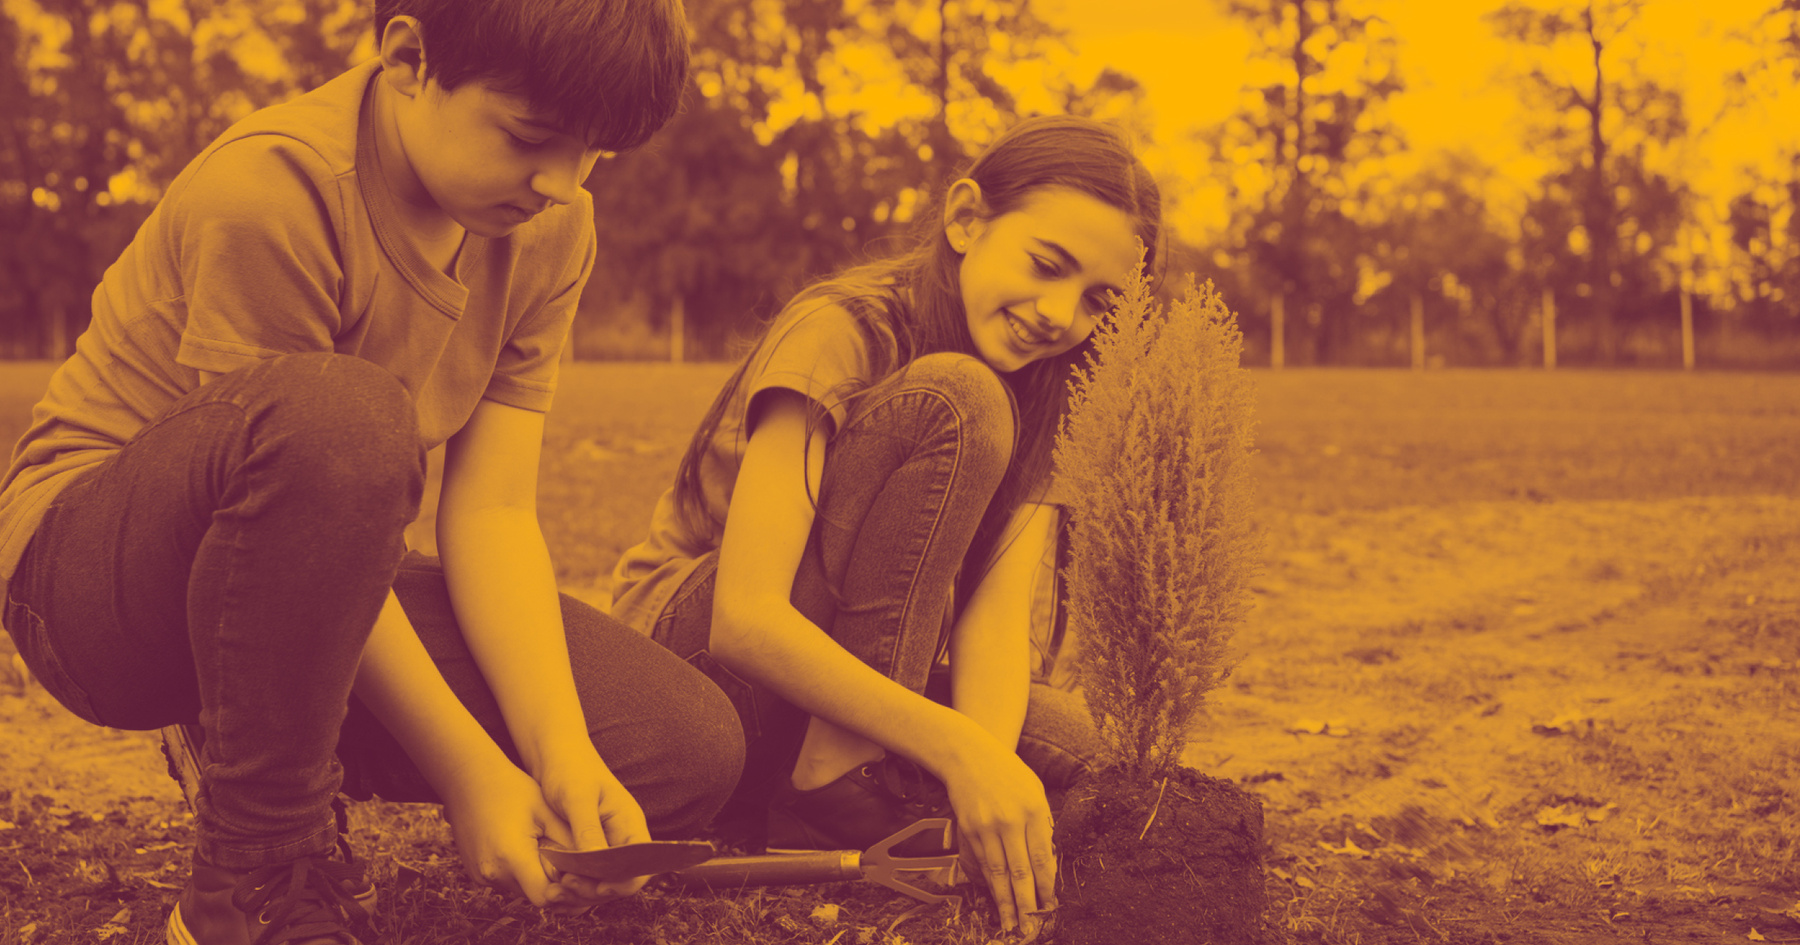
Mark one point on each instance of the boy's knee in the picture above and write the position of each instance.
(702, 744)
(340, 422)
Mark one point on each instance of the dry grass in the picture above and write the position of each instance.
(1455, 558)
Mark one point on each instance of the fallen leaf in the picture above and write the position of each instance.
(1567, 723)
(1308, 727)
(1560, 816)
(826, 915)
(115, 925)
(1755, 936)
(1348, 849)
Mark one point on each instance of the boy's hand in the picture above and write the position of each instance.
(499, 815)
(593, 810)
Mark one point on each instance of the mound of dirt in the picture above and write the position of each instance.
(1175, 862)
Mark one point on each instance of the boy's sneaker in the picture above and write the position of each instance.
(309, 901)
(859, 810)
(181, 748)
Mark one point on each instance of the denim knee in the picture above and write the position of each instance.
(702, 742)
(981, 401)
(338, 426)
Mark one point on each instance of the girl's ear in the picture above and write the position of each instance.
(403, 55)
(965, 214)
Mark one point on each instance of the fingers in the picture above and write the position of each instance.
(583, 813)
(1017, 862)
(1043, 861)
(510, 873)
(621, 814)
(997, 875)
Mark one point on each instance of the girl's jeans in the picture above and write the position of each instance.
(226, 566)
(906, 484)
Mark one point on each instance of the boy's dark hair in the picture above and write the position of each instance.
(610, 72)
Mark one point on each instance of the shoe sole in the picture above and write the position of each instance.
(183, 756)
(176, 931)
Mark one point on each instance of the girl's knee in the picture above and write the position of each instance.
(979, 402)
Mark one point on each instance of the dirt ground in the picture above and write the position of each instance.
(1519, 697)
(1422, 689)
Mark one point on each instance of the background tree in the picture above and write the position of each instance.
(1297, 157)
(815, 131)
(103, 106)
(1439, 240)
(1608, 126)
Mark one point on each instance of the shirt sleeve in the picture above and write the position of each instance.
(526, 372)
(256, 231)
(814, 353)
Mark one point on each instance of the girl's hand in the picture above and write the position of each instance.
(1004, 819)
(594, 810)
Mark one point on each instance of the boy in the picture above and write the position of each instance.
(203, 525)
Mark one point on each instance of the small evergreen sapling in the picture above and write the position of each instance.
(1154, 456)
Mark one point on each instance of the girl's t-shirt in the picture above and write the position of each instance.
(281, 237)
(817, 349)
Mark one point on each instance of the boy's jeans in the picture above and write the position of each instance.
(906, 483)
(225, 567)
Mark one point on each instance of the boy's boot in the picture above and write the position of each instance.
(302, 902)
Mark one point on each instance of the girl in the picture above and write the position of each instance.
(865, 496)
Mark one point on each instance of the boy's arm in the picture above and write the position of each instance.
(990, 650)
(495, 810)
(503, 590)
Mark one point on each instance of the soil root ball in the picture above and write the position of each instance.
(1195, 876)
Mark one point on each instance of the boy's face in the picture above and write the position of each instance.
(485, 160)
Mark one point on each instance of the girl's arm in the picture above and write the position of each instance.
(990, 650)
(756, 631)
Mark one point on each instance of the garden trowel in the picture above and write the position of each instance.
(692, 864)
(877, 864)
(628, 860)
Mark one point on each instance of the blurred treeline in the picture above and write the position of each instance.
(817, 132)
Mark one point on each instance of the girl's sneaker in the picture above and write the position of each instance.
(859, 810)
(309, 901)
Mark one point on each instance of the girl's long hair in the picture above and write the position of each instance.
(910, 304)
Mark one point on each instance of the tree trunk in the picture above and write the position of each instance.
(1600, 216)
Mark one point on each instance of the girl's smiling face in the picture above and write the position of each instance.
(1035, 280)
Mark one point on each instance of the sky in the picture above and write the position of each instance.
(1192, 60)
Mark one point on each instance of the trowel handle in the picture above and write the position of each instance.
(775, 869)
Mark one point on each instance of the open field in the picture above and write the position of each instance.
(1524, 668)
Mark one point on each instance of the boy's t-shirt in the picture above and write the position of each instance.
(818, 350)
(281, 237)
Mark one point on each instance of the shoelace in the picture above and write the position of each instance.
(301, 900)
